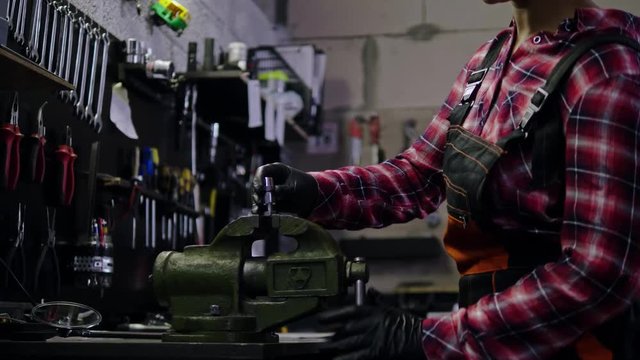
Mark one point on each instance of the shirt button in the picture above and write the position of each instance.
(537, 39)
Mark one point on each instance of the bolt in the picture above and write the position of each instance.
(214, 310)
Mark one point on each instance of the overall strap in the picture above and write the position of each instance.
(547, 129)
(565, 65)
(460, 112)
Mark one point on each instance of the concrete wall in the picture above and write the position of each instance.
(224, 20)
(410, 73)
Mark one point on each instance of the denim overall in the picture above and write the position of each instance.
(491, 260)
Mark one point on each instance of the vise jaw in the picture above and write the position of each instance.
(220, 293)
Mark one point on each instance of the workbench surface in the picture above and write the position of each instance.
(119, 348)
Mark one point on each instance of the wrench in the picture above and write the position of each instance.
(97, 120)
(88, 110)
(63, 42)
(54, 37)
(32, 48)
(43, 56)
(22, 18)
(67, 71)
(73, 94)
(64, 95)
(79, 106)
(11, 8)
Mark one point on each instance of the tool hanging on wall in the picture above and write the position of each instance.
(355, 140)
(64, 170)
(33, 158)
(377, 154)
(48, 251)
(53, 28)
(10, 136)
(17, 249)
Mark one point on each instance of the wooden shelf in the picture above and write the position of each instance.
(22, 74)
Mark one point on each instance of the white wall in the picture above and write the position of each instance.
(224, 20)
(410, 73)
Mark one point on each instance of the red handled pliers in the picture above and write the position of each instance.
(33, 159)
(65, 176)
(10, 136)
(49, 248)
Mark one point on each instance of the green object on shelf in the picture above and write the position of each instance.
(175, 15)
(273, 75)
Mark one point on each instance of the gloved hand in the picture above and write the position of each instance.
(374, 333)
(295, 191)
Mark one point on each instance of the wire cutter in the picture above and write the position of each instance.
(33, 163)
(65, 176)
(16, 247)
(49, 248)
(10, 136)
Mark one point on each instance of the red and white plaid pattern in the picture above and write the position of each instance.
(597, 213)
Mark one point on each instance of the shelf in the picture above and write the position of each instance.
(134, 77)
(22, 74)
(124, 187)
(222, 94)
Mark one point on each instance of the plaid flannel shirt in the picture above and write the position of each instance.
(596, 212)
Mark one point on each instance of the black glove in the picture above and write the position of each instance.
(295, 191)
(374, 333)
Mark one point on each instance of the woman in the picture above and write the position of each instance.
(544, 213)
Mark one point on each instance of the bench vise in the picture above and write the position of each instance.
(221, 293)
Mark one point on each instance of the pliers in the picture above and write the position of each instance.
(33, 164)
(49, 248)
(65, 176)
(16, 247)
(10, 136)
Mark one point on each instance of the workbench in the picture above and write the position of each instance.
(290, 347)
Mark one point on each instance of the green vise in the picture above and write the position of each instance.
(220, 293)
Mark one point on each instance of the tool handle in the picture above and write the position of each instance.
(14, 173)
(355, 129)
(33, 159)
(65, 158)
(374, 130)
(6, 137)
